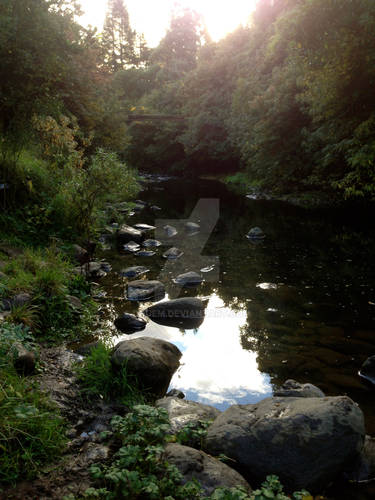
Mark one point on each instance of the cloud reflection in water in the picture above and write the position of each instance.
(215, 369)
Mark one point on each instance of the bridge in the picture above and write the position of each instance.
(141, 118)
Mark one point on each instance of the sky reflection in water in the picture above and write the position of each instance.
(215, 369)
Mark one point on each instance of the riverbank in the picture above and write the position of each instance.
(85, 438)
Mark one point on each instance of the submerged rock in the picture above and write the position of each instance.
(134, 272)
(173, 253)
(152, 361)
(307, 442)
(368, 370)
(145, 290)
(210, 472)
(293, 389)
(131, 247)
(128, 323)
(255, 233)
(188, 279)
(182, 412)
(187, 312)
(127, 233)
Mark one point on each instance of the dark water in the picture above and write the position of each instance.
(300, 304)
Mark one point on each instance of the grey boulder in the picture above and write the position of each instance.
(208, 471)
(307, 442)
(187, 312)
(293, 389)
(152, 362)
(182, 412)
(145, 290)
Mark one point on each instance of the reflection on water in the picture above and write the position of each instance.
(299, 304)
(215, 369)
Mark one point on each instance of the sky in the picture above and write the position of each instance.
(152, 16)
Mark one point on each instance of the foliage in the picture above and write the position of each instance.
(11, 334)
(193, 433)
(98, 378)
(138, 469)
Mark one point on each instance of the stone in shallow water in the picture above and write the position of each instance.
(127, 233)
(151, 243)
(188, 279)
(128, 323)
(145, 290)
(368, 370)
(293, 389)
(131, 247)
(145, 253)
(144, 227)
(170, 230)
(134, 272)
(187, 312)
(192, 227)
(255, 233)
(173, 253)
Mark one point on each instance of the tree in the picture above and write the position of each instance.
(118, 38)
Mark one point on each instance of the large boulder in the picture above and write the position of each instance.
(208, 471)
(152, 361)
(293, 389)
(183, 412)
(126, 233)
(307, 442)
(368, 370)
(187, 312)
(145, 290)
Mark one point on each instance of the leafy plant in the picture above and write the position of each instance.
(193, 433)
(138, 469)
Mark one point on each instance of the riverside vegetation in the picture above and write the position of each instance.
(66, 152)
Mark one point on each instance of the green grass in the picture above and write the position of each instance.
(31, 431)
(47, 275)
(98, 378)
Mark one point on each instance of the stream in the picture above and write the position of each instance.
(298, 304)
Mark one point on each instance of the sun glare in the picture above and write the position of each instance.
(152, 17)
